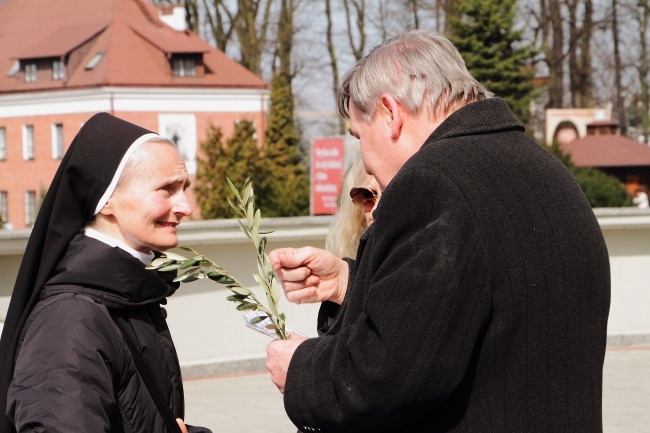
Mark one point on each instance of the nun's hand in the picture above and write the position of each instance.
(181, 424)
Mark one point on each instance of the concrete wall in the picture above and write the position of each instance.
(210, 334)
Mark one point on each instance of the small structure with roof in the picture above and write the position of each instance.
(620, 156)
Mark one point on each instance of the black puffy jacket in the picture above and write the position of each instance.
(74, 372)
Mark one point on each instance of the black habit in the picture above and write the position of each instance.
(74, 305)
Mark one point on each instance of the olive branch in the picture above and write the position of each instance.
(200, 267)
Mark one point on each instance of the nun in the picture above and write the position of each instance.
(85, 346)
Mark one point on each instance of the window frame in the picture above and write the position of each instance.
(184, 66)
(4, 207)
(58, 141)
(29, 146)
(58, 70)
(30, 207)
(3, 143)
(31, 72)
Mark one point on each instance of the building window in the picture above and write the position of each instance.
(30, 72)
(57, 141)
(58, 70)
(183, 66)
(30, 207)
(3, 143)
(28, 142)
(4, 208)
(15, 68)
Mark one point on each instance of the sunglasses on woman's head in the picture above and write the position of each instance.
(364, 197)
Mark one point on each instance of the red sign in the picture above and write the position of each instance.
(327, 163)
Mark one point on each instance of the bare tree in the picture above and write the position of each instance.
(550, 32)
(285, 33)
(579, 52)
(359, 6)
(252, 31)
(618, 68)
(642, 17)
(333, 59)
(192, 14)
(450, 10)
(414, 7)
(221, 21)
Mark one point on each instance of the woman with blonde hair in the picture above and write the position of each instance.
(358, 198)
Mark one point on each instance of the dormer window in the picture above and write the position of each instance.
(30, 72)
(58, 70)
(184, 65)
(15, 68)
(94, 61)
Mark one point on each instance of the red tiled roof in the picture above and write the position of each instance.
(60, 43)
(135, 42)
(607, 151)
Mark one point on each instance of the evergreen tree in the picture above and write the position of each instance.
(237, 160)
(282, 187)
(493, 52)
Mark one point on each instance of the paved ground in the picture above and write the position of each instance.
(250, 403)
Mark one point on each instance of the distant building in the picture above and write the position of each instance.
(567, 124)
(620, 156)
(63, 61)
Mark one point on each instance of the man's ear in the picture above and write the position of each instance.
(395, 115)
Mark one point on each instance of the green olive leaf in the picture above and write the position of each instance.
(159, 263)
(177, 257)
(240, 290)
(220, 278)
(246, 306)
(190, 262)
(169, 268)
(258, 319)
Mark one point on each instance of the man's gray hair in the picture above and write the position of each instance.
(420, 69)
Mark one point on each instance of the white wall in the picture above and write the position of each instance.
(210, 334)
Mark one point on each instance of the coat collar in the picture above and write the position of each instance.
(480, 117)
(109, 275)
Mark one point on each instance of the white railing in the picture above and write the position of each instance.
(210, 335)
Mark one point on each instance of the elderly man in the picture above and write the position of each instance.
(479, 298)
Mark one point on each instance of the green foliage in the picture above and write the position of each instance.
(494, 53)
(282, 184)
(277, 171)
(601, 189)
(237, 159)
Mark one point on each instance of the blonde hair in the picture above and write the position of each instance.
(420, 69)
(349, 221)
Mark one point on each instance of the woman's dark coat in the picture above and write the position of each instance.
(74, 372)
(84, 176)
(478, 301)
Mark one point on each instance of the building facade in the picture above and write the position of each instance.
(62, 62)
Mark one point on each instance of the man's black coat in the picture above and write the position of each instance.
(478, 301)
